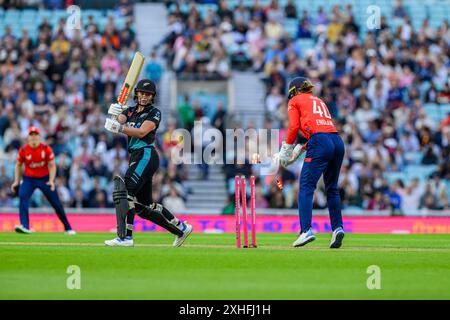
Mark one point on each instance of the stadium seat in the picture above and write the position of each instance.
(448, 190)
(12, 14)
(119, 23)
(436, 112)
(101, 23)
(103, 182)
(414, 157)
(44, 14)
(94, 13)
(305, 45)
(291, 27)
(172, 8)
(420, 171)
(391, 177)
(28, 14)
(184, 8)
(354, 211)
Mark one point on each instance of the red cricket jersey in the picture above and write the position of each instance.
(36, 160)
(310, 115)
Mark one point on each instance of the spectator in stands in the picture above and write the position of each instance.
(276, 198)
(273, 29)
(94, 199)
(439, 189)
(395, 94)
(186, 114)
(304, 30)
(45, 26)
(100, 200)
(378, 202)
(110, 38)
(274, 100)
(409, 142)
(63, 191)
(219, 118)
(219, 65)
(274, 12)
(57, 68)
(444, 94)
(154, 69)
(173, 202)
(5, 200)
(334, 29)
(395, 197)
(198, 110)
(258, 11)
(430, 155)
(241, 13)
(411, 197)
(125, 8)
(75, 77)
(167, 142)
(321, 18)
(97, 168)
(110, 67)
(290, 10)
(60, 44)
(429, 199)
(399, 10)
(431, 95)
(66, 101)
(260, 200)
(54, 4)
(230, 206)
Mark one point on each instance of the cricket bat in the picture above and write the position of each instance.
(131, 78)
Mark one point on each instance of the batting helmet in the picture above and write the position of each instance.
(145, 85)
(298, 85)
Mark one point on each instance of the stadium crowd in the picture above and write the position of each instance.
(63, 83)
(375, 85)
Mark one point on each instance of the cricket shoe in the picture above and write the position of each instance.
(304, 238)
(187, 229)
(70, 232)
(21, 229)
(336, 238)
(117, 242)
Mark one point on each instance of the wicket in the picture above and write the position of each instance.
(241, 197)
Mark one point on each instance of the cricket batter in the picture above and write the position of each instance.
(40, 173)
(133, 195)
(324, 155)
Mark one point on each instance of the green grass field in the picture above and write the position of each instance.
(209, 267)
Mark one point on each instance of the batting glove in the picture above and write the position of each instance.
(115, 109)
(113, 126)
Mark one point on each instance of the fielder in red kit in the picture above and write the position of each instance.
(324, 154)
(40, 173)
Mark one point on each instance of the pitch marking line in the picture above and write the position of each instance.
(216, 246)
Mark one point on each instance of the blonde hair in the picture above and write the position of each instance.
(307, 87)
